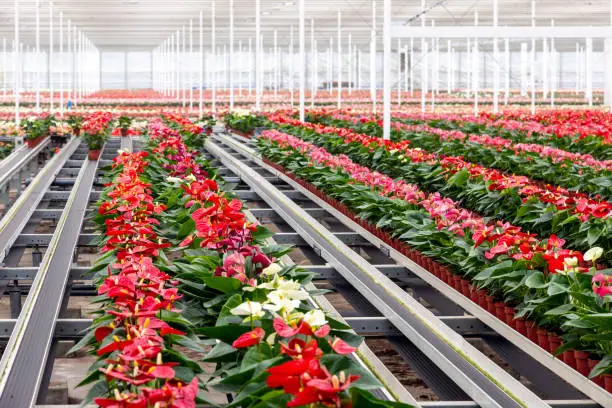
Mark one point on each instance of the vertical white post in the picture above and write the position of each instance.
(240, 72)
(190, 65)
(61, 64)
(589, 70)
(340, 65)
(201, 80)
(257, 55)
(275, 68)
(608, 67)
(213, 63)
(330, 66)
(476, 66)
(553, 73)
(449, 65)
(231, 54)
(359, 69)
(497, 61)
(423, 61)
(577, 68)
(434, 70)
(177, 64)
(37, 59)
(172, 60)
(399, 72)
(51, 62)
(251, 66)
(545, 68)
(508, 67)
(411, 67)
(387, 71)
(302, 60)
(182, 66)
(312, 63)
(316, 71)
(4, 68)
(468, 68)
(533, 59)
(373, 87)
(350, 64)
(291, 61)
(16, 61)
(524, 69)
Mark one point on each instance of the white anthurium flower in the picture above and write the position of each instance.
(272, 269)
(315, 318)
(278, 302)
(171, 179)
(190, 177)
(270, 339)
(248, 308)
(291, 289)
(593, 254)
(571, 262)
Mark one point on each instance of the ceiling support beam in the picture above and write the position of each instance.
(515, 32)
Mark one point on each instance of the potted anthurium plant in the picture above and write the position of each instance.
(124, 124)
(96, 131)
(75, 121)
(36, 128)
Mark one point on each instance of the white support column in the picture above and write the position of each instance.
(340, 64)
(316, 71)
(399, 72)
(172, 60)
(508, 67)
(589, 71)
(61, 62)
(532, 68)
(51, 62)
(251, 65)
(449, 64)
(190, 65)
(350, 64)
(177, 64)
(302, 60)
(373, 86)
(312, 63)
(201, 80)
(553, 69)
(423, 61)
(231, 55)
(468, 68)
(359, 69)
(4, 68)
(524, 66)
(241, 65)
(387, 71)
(577, 68)
(213, 62)
(291, 61)
(545, 68)
(497, 61)
(411, 67)
(182, 66)
(330, 66)
(275, 66)
(476, 67)
(16, 61)
(37, 58)
(257, 55)
(608, 67)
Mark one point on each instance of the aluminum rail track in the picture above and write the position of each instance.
(15, 162)
(490, 380)
(27, 362)
(17, 216)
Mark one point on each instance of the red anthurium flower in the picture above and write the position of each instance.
(342, 347)
(249, 339)
(299, 349)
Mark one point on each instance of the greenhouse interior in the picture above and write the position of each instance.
(306, 203)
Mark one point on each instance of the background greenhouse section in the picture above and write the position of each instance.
(351, 71)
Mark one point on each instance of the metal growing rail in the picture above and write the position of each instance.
(385, 291)
(28, 358)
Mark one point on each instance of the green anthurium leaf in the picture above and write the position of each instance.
(221, 352)
(223, 284)
(226, 334)
(99, 389)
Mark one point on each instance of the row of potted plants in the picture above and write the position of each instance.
(525, 281)
(562, 136)
(545, 210)
(171, 234)
(550, 166)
